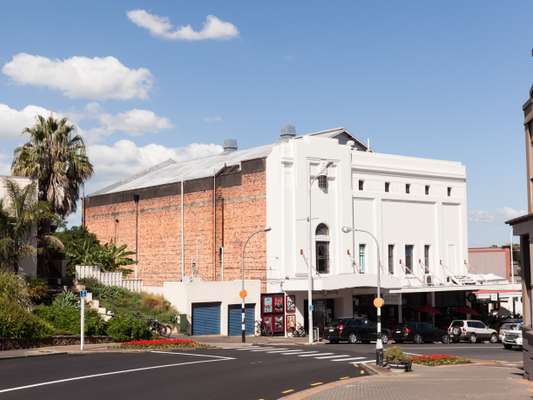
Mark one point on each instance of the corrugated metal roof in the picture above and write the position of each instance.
(172, 171)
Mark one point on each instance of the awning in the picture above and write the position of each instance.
(428, 310)
(488, 291)
(465, 310)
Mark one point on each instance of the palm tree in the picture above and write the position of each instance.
(56, 158)
(19, 216)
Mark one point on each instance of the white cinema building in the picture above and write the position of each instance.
(416, 208)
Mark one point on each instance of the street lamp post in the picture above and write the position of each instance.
(243, 291)
(379, 341)
(312, 180)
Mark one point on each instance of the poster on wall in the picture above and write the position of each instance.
(267, 304)
(291, 322)
(267, 321)
(278, 323)
(278, 304)
(291, 304)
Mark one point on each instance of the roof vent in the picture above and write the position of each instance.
(287, 132)
(230, 145)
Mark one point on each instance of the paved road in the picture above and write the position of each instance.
(253, 373)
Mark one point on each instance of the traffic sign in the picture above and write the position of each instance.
(378, 302)
(243, 293)
(83, 293)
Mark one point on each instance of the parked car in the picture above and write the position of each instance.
(472, 331)
(419, 332)
(504, 323)
(354, 330)
(511, 334)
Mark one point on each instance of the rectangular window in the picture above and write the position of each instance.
(391, 259)
(362, 258)
(322, 257)
(387, 187)
(426, 258)
(407, 188)
(409, 258)
(427, 190)
(361, 184)
(449, 191)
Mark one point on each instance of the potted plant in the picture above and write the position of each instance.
(397, 360)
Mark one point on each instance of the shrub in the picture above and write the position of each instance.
(124, 327)
(65, 299)
(395, 355)
(18, 323)
(13, 288)
(37, 289)
(66, 319)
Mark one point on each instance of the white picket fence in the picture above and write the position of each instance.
(108, 278)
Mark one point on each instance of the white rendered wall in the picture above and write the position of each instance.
(395, 217)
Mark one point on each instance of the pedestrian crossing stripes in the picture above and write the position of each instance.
(316, 354)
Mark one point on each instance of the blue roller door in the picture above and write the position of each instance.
(234, 319)
(206, 318)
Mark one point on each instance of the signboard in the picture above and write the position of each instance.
(378, 302)
(83, 293)
(243, 294)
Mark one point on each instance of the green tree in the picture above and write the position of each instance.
(20, 213)
(56, 158)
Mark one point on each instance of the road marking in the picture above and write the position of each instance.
(267, 349)
(124, 371)
(312, 355)
(349, 359)
(279, 351)
(287, 391)
(303, 352)
(333, 356)
(316, 383)
(343, 378)
(191, 355)
(293, 352)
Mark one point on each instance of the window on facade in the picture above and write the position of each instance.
(391, 259)
(449, 191)
(407, 188)
(323, 182)
(409, 258)
(426, 258)
(362, 258)
(427, 190)
(322, 248)
(361, 184)
(387, 187)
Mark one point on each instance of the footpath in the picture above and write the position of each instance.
(465, 382)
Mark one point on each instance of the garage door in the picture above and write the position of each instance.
(234, 319)
(206, 318)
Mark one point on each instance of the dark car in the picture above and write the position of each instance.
(354, 330)
(419, 332)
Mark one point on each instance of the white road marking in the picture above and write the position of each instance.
(270, 349)
(191, 355)
(333, 356)
(349, 359)
(124, 371)
(313, 355)
(278, 351)
(302, 352)
(288, 352)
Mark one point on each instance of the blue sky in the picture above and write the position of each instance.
(443, 80)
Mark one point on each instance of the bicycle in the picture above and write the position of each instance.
(263, 329)
(160, 328)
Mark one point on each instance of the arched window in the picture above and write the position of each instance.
(322, 248)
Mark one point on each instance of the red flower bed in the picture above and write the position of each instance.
(438, 359)
(162, 344)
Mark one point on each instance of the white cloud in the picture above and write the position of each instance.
(215, 119)
(213, 28)
(124, 158)
(81, 77)
(134, 122)
(12, 121)
(499, 215)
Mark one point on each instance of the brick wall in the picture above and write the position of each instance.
(240, 210)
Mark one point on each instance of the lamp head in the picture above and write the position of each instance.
(267, 229)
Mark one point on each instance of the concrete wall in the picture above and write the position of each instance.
(183, 294)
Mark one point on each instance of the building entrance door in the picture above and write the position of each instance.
(323, 314)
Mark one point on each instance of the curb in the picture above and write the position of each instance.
(42, 354)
